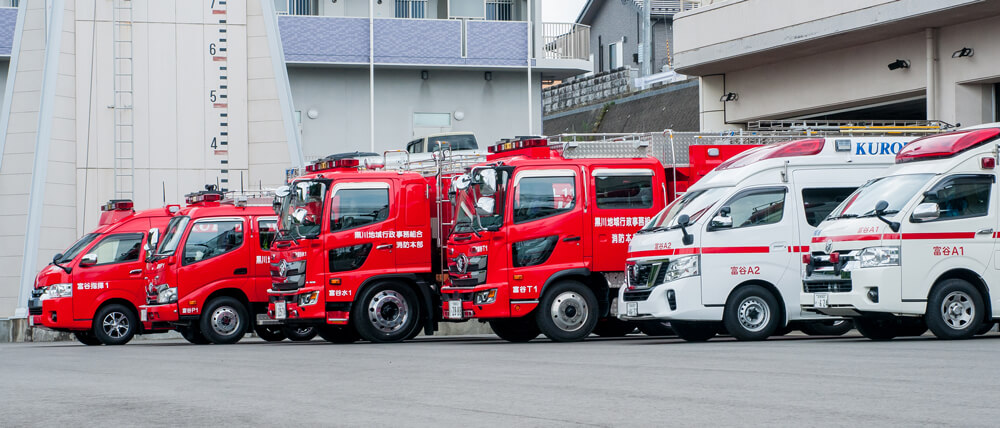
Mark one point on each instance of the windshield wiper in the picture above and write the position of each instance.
(842, 216)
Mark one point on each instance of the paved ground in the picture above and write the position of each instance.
(481, 381)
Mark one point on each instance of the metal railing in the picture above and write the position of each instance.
(414, 9)
(562, 40)
(9, 3)
(296, 7)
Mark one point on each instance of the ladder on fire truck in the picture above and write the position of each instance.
(124, 139)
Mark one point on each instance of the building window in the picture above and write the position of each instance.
(431, 120)
(296, 7)
(499, 10)
(614, 56)
(411, 8)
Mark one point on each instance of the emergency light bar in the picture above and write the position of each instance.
(118, 205)
(330, 164)
(809, 147)
(508, 145)
(945, 145)
(203, 196)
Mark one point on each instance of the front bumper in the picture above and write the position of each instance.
(656, 305)
(503, 307)
(856, 301)
(57, 314)
(157, 314)
(309, 314)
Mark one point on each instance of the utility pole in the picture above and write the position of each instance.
(647, 39)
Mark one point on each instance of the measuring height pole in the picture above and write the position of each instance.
(371, 72)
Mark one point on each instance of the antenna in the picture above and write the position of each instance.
(164, 192)
(241, 183)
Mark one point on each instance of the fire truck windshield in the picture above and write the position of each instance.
(175, 229)
(694, 204)
(480, 205)
(302, 210)
(71, 253)
(897, 190)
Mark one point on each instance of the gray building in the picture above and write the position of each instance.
(616, 32)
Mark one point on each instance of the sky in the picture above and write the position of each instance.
(561, 10)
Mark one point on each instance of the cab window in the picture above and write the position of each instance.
(819, 203)
(757, 208)
(210, 239)
(624, 192)
(118, 249)
(540, 197)
(353, 208)
(415, 146)
(961, 196)
(268, 231)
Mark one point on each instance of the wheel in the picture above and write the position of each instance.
(693, 331)
(337, 333)
(986, 327)
(752, 313)
(518, 330)
(270, 333)
(115, 324)
(193, 335)
(299, 333)
(613, 327)
(567, 312)
(877, 328)
(656, 328)
(224, 320)
(954, 310)
(387, 312)
(826, 327)
(86, 338)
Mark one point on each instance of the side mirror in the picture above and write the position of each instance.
(88, 260)
(153, 241)
(276, 206)
(55, 258)
(484, 206)
(683, 221)
(461, 182)
(488, 178)
(300, 215)
(880, 207)
(926, 211)
(721, 222)
(282, 191)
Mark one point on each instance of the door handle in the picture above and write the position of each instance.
(984, 231)
(384, 247)
(135, 271)
(240, 271)
(571, 238)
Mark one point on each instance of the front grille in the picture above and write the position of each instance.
(35, 311)
(38, 292)
(827, 287)
(475, 271)
(638, 275)
(637, 296)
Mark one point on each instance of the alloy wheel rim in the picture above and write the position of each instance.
(388, 311)
(225, 320)
(115, 325)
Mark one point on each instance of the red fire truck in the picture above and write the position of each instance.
(94, 288)
(209, 275)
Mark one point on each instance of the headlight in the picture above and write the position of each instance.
(60, 290)
(308, 298)
(879, 256)
(166, 294)
(682, 267)
(485, 297)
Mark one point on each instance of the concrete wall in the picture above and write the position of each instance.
(492, 109)
(578, 92)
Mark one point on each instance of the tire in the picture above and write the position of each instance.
(986, 327)
(337, 333)
(299, 333)
(955, 310)
(827, 327)
(693, 331)
(613, 327)
(224, 320)
(270, 333)
(877, 328)
(567, 312)
(193, 335)
(656, 328)
(388, 312)
(115, 324)
(87, 338)
(752, 313)
(517, 330)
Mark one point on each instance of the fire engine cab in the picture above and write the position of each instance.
(917, 248)
(93, 289)
(725, 256)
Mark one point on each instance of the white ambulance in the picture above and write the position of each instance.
(918, 247)
(726, 256)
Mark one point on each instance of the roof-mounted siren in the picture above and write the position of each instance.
(340, 161)
(518, 143)
(807, 147)
(118, 205)
(943, 146)
(210, 194)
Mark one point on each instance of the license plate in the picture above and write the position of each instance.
(631, 309)
(143, 316)
(455, 309)
(31, 320)
(279, 311)
(821, 300)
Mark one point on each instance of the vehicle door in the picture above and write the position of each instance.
(114, 262)
(749, 242)
(216, 255)
(265, 229)
(960, 236)
(624, 200)
(363, 238)
(546, 230)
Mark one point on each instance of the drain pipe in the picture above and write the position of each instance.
(932, 61)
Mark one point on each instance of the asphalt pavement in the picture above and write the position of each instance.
(483, 381)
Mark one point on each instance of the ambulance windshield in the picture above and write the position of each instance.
(302, 210)
(694, 203)
(897, 190)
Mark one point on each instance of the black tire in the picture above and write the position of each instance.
(656, 328)
(270, 333)
(115, 324)
(337, 333)
(781, 331)
(826, 327)
(299, 333)
(567, 312)
(752, 313)
(224, 321)
(955, 310)
(613, 327)
(877, 328)
(193, 335)
(517, 330)
(986, 327)
(87, 338)
(387, 312)
(693, 331)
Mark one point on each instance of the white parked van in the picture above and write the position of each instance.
(918, 247)
(727, 254)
